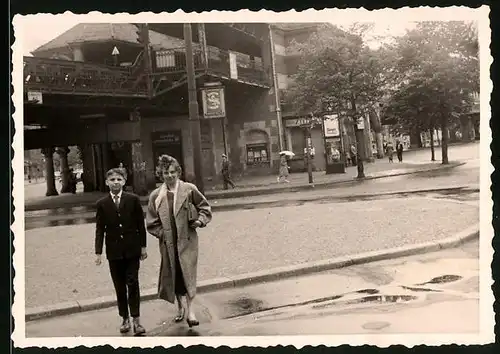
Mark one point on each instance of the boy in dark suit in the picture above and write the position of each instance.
(120, 223)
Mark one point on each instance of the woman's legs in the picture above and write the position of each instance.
(180, 306)
(190, 313)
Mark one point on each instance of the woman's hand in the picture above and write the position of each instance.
(195, 224)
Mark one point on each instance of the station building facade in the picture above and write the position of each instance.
(89, 87)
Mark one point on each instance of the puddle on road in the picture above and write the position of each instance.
(244, 306)
(420, 289)
(368, 291)
(443, 279)
(377, 299)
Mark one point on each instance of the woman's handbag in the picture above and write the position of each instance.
(192, 211)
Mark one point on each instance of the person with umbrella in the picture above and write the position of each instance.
(284, 168)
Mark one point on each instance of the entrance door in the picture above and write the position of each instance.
(121, 152)
(169, 143)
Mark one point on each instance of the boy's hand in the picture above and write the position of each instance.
(98, 259)
(144, 253)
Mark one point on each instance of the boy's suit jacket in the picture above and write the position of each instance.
(122, 228)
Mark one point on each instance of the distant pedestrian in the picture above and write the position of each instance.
(354, 155)
(226, 174)
(283, 172)
(389, 150)
(72, 181)
(175, 210)
(120, 225)
(399, 151)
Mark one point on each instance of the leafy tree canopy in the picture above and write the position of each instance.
(338, 72)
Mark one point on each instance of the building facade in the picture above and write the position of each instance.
(119, 92)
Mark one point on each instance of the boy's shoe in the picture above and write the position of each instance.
(138, 328)
(125, 327)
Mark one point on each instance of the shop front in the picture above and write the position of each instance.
(296, 142)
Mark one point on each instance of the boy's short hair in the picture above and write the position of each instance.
(116, 171)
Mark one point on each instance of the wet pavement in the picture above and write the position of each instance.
(86, 215)
(393, 296)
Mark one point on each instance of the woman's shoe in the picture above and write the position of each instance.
(192, 323)
(180, 316)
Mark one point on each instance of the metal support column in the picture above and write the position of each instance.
(194, 118)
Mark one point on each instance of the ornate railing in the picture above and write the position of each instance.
(71, 77)
(218, 63)
(169, 70)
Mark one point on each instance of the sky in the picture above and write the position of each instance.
(45, 27)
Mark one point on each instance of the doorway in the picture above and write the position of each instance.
(121, 152)
(170, 143)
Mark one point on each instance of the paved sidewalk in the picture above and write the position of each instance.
(255, 186)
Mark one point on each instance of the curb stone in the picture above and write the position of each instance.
(276, 190)
(280, 273)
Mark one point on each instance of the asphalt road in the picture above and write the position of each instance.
(424, 294)
(59, 260)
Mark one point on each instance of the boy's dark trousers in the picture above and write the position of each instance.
(125, 275)
(122, 229)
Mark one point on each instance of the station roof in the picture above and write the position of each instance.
(127, 32)
(105, 32)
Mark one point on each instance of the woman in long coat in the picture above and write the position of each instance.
(175, 210)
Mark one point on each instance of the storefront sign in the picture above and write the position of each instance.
(214, 105)
(35, 97)
(296, 122)
(166, 138)
(331, 126)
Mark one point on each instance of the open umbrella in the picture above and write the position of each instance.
(287, 153)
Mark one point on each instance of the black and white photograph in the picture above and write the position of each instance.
(253, 178)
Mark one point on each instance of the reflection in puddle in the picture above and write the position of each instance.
(443, 279)
(420, 289)
(249, 306)
(380, 299)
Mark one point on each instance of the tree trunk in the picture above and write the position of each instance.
(377, 128)
(379, 140)
(444, 140)
(360, 136)
(49, 172)
(433, 155)
(359, 147)
(63, 154)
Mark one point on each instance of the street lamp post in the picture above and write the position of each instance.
(194, 118)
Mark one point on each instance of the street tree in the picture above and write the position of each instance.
(439, 62)
(339, 73)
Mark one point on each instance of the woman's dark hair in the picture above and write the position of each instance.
(164, 163)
